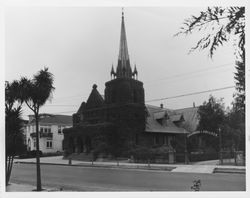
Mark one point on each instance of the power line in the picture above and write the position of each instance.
(189, 94)
(192, 72)
(171, 97)
(148, 82)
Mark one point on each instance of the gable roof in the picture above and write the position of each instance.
(95, 99)
(81, 108)
(177, 117)
(191, 119)
(167, 126)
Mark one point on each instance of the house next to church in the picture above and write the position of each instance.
(50, 132)
(121, 121)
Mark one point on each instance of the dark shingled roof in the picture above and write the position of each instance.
(95, 99)
(167, 125)
(191, 119)
(81, 108)
(55, 119)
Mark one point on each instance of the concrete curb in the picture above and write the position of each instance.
(146, 167)
(229, 170)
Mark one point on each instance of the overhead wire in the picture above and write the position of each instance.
(170, 77)
(189, 94)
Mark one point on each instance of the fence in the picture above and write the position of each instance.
(203, 156)
(232, 158)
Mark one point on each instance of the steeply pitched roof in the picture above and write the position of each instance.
(190, 116)
(123, 68)
(95, 99)
(81, 108)
(176, 118)
(166, 126)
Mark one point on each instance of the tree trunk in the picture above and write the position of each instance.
(9, 163)
(38, 170)
(7, 177)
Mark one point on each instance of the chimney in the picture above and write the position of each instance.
(161, 105)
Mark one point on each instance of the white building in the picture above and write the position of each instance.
(50, 132)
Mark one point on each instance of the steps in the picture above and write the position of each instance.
(230, 170)
(194, 169)
(81, 156)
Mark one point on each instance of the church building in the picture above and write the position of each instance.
(119, 121)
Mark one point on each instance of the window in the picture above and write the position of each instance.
(34, 144)
(156, 139)
(160, 121)
(49, 144)
(45, 129)
(166, 140)
(59, 130)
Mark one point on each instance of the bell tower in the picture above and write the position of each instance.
(124, 86)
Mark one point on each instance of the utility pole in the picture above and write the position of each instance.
(220, 150)
(186, 152)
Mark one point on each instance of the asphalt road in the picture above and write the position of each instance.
(106, 179)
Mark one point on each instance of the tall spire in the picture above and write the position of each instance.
(123, 69)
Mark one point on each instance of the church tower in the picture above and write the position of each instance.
(124, 87)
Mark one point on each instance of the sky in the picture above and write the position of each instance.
(80, 44)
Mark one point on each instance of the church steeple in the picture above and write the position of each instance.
(123, 69)
(124, 86)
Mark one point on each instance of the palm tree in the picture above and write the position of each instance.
(13, 127)
(35, 93)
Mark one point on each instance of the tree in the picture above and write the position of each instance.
(221, 25)
(35, 93)
(235, 128)
(239, 103)
(13, 127)
(212, 117)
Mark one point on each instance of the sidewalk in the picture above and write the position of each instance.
(15, 187)
(199, 167)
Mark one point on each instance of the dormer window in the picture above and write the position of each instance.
(160, 121)
(160, 116)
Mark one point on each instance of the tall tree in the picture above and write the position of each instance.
(239, 103)
(212, 117)
(219, 25)
(35, 93)
(14, 139)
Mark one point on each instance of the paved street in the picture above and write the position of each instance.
(107, 179)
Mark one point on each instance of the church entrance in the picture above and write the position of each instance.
(88, 144)
(71, 144)
(79, 145)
